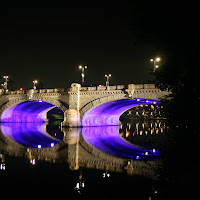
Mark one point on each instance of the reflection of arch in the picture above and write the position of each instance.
(29, 134)
(107, 139)
(109, 113)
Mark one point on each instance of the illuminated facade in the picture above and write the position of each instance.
(28, 111)
(108, 139)
(80, 105)
(109, 113)
(29, 134)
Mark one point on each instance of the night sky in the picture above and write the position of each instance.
(49, 42)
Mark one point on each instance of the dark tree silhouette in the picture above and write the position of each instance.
(173, 30)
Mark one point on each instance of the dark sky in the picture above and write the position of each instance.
(49, 42)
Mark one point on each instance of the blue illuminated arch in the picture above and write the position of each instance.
(109, 113)
(108, 140)
(29, 134)
(28, 111)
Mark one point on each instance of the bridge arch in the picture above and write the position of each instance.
(109, 113)
(38, 112)
(99, 101)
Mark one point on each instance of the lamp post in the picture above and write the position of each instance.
(6, 83)
(34, 84)
(155, 63)
(107, 79)
(82, 73)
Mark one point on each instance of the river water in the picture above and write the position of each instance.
(140, 159)
(87, 163)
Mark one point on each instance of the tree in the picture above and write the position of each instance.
(173, 30)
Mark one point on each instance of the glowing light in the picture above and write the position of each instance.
(77, 185)
(108, 139)
(29, 134)
(28, 111)
(3, 166)
(52, 144)
(109, 113)
(32, 161)
(158, 59)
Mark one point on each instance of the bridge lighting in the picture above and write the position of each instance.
(5, 85)
(83, 73)
(32, 161)
(34, 84)
(155, 63)
(107, 79)
(39, 146)
(52, 144)
(3, 166)
(106, 174)
(158, 59)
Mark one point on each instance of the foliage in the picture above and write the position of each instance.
(174, 34)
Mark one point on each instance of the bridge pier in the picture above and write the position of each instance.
(76, 101)
(72, 118)
(72, 115)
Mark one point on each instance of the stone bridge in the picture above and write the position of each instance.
(76, 102)
(76, 153)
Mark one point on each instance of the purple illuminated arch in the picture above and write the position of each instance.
(29, 134)
(109, 113)
(108, 140)
(28, 111)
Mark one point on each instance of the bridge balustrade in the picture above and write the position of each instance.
(102, 88)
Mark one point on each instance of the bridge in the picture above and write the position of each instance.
(82, 106)
(74, 149)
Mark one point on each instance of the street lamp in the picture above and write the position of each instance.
(6, 83)
(107, 79)
(155, 63)
(34, 84)
(83, 73)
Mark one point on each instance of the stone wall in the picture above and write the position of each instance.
(77, 100)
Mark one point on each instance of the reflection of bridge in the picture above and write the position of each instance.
(75, 151)
(77, 101)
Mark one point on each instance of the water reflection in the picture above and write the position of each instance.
(89, 147)
(109, 140)
(148, 133)
(30, 134)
